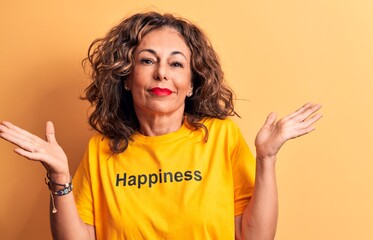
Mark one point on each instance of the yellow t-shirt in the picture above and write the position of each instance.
(174, 186)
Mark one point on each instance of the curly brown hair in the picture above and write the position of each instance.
(112, 60)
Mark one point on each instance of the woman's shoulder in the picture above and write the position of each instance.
(221, 127)
(99, 144)
(223, 130)
(97, 140)
(219, 123)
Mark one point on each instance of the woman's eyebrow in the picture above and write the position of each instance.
(148, 50)
(178, 52)
(152, 51)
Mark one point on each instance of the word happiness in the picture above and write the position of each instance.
(155, 178)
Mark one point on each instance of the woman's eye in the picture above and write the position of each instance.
(176, 64)
(146, 61)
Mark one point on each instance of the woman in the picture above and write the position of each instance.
(167, 163)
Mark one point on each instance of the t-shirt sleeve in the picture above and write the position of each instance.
(83, 190)
(243, 167)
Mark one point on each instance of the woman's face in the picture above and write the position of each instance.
(161, 77)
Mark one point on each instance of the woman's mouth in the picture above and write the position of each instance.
(161, 91)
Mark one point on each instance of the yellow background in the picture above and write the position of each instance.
(277, 55)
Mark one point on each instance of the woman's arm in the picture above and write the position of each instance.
(259, 220)
(65, 223)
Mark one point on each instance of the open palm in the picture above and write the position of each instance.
(274, 133)
(30, 146)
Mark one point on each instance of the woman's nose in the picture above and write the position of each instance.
(161, 72)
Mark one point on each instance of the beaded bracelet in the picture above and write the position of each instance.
(68, 187)
(59, 184)
(64, 191)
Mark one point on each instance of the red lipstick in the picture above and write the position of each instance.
(161, 91)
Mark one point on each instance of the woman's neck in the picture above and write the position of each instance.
(156, 125)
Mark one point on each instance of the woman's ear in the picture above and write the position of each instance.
(126, 87)
(190, 92)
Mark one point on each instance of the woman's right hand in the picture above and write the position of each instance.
(32, 147)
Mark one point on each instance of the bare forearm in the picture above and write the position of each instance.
(259, 220)
(66, 222)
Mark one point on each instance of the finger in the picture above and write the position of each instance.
(299, 110)
(18, 136)
(27, 154)
(302, 116)
(305, 131)
(271, 119)
(20, 141)
(304, 112)
(312, 120)
(307, 126)
(50, 133)
(11, 136)
(19, 130)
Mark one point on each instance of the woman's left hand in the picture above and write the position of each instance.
(274, 133)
